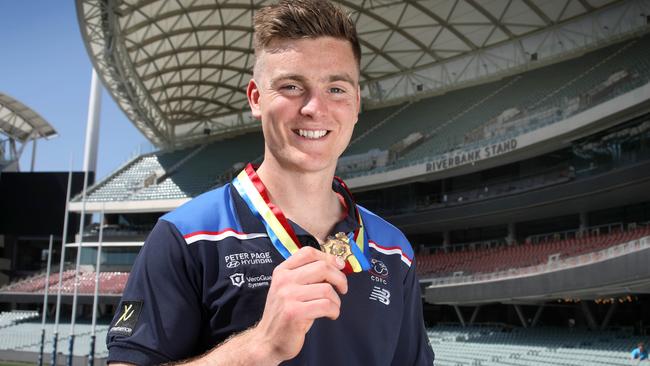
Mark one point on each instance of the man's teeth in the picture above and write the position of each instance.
(311, 134)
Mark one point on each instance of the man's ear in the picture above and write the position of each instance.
(253, 94)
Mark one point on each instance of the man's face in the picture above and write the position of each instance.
(306, 93)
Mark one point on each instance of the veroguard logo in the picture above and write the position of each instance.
(238, 279)
(127, 319)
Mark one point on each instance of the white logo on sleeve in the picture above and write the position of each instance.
(380, 294)
(237, 279)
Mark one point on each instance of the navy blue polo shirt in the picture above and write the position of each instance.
(204, 272)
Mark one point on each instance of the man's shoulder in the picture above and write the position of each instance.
(210, 212)
(384, 236)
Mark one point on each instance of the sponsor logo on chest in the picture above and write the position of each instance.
(247, 258)
(239, 280)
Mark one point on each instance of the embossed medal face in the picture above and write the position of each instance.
(337, 245)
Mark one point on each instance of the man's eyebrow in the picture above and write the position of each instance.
(342, 77)
(296, 77)
(300, 78)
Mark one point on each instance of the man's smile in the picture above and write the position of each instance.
(311, 134)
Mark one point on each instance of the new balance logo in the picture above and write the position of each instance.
(380, 294)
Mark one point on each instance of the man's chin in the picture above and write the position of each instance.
(312, 164)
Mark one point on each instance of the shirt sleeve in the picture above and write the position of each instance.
(413, 346)
(159, 317)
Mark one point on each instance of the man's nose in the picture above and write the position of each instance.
(315, 105)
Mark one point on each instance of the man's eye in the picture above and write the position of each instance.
(337, 90)
(289, 87)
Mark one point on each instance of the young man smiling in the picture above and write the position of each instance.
(245, 274)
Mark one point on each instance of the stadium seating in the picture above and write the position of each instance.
(502, 345)
(448, 120)
(485, 259)
(466, 117)
(182, 173)
(505, 257)
(109, 283)
(8, 318)
(489, 189)
(27, 337)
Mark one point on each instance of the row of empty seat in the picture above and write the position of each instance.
(488, 260)
(8, 318)
(27, 337)
(492, 346)
(110, 283)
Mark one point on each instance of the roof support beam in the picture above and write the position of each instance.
(496, 22)
(443, 23)
(538, 12)
(199, 99)
(176, 32)
(197, 83)
(181, 50)
(194, 67)
(394, 28)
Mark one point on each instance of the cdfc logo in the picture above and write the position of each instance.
(378, 269)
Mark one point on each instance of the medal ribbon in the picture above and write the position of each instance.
(252, 190)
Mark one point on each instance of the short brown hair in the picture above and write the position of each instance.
(299, 19)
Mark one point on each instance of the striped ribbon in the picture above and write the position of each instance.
(252, 190)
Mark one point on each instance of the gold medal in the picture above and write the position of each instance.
(338, 245)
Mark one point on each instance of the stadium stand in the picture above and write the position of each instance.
(504, 257)
(504, 345)
(109, 283)
(27, 336)
(538, 97)
(176, 174)
(470, 117)
(9, 318)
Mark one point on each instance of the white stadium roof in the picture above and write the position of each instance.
(179, 68)
(20, 122)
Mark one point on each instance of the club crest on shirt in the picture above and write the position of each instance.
(378, 271)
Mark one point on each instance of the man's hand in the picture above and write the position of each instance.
(304, 288)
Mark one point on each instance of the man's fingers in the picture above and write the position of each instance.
(321, 271)
(321, 308)
(317, 291)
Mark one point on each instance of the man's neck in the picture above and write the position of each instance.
(306, 198)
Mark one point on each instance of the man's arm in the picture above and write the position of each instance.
(304, 288)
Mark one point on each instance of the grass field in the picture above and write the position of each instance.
(5, 363)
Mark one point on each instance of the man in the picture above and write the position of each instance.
(640, 353)
(201, 288)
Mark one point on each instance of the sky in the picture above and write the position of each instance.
(44, 64)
